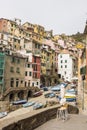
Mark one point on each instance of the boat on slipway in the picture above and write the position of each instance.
(28, 104)
(3, 114)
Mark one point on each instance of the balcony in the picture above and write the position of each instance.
(1, 80)
(1, 72)
(37, 52)
(48, 66)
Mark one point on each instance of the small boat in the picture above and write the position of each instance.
(69, 95)
(37, 106)
(70, 99)
(56, 88)
(28, 104)
(36, 94)
(51, 94)
(19, 102)
(73, 91)
(45, 88)
(64, 84)
(3, 114)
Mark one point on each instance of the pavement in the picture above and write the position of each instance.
(74, 122)
(22, 113)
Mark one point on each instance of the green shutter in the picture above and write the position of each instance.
(83, 70)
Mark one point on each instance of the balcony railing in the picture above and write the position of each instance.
(37, 52)
(48, 67)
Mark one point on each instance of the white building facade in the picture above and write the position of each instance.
(66, 66)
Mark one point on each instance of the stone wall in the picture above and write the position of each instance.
(31, 122)
(4, 106)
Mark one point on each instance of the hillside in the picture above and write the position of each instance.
(79, 37)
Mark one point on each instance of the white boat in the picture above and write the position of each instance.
(3, 114)
(19, 102)
(28, 104)
(72, 91)
(37, 106)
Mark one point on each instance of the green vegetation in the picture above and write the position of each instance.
(79, 37)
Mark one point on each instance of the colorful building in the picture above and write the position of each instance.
(12, 74)
(67, 65)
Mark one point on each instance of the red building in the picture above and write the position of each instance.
(36, 62)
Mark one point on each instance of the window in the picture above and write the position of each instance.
(25, 73)
(65, 61)
(26, 59)
(25, 84)
(32, 84)
(38, 46)
(61, 66)
(37, 83)
(61, 61)
(60, 56)
(1, 42)
(35, 67)
(65, 72)
(11, 29)
(14, 40)
(18, 70)
(35, 45)
(12, 59)
(35, 59)
(21, 81)
(17, 82)
(12, 82)
(34, 75)
(18, 60)
(24, 45)
(30, 73)
(83, 70)
(1, 72)
(2, 36)
(18, 41)
(12, 69)
(28, 65)
(65, 66)
(1, 79)
(1, 59)
(12, 25)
